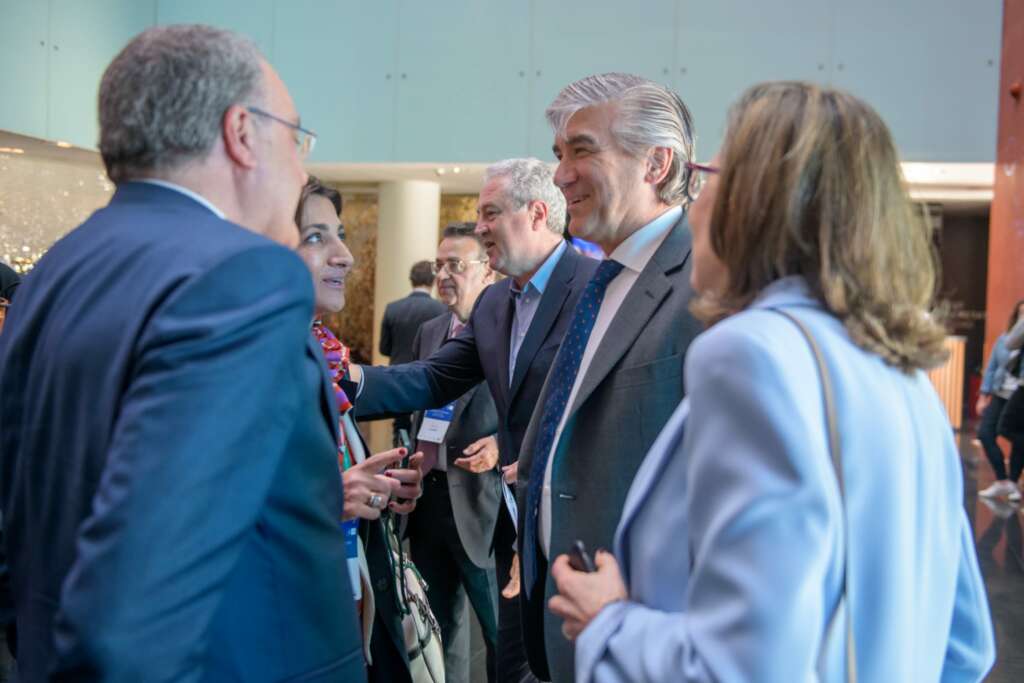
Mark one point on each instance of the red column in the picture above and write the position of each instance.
(1006, 227)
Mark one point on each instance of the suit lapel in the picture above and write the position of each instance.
(506, 309)
(550, 306)
(641, 302)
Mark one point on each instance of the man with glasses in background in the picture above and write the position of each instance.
(510, 341)
(169, 486)
(452, 528)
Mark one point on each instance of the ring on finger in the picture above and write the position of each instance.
(376, 500)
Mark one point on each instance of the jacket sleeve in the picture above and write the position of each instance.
(202, 430)
(448, 373)
(988, 378)
(971, 649)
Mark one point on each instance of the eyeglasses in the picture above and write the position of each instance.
(697, 179)
(455, 266)
(305, 140)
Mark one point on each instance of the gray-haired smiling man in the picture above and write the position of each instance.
(622, 144)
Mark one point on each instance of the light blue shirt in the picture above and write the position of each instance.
(732, 539)
(527, 301)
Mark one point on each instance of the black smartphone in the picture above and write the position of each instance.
(580, 559)
(404, 442)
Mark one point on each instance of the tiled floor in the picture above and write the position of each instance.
(997, 532)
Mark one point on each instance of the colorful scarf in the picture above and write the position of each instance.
(337, 355)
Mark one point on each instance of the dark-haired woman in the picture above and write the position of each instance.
(373, 486)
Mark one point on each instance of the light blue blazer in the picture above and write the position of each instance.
(731, 539)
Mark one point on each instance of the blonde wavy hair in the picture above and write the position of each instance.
(810, 185)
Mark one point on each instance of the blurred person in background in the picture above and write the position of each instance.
(794, 524)
(401, 322)
(997, 386)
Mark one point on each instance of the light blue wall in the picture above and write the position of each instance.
(468, 80)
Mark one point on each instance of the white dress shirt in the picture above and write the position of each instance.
(185, 191)
(634, 253)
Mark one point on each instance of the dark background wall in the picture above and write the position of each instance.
(963, 252)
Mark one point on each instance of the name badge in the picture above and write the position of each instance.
(351, 530)
(436, 423)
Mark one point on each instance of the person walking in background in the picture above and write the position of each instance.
(401, 322)
(997, 386)
(177, 517)
(801, 515)
(1011, 421)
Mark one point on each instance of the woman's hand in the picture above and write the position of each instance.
(581, 596)
(410, 484)
(364, 481)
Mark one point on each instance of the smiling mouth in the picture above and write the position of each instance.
(334, 282)
(578, 200)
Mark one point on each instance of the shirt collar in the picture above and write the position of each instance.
(185, 191)
(539, 281)
(638, 248)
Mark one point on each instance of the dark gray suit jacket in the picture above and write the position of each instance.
(401, 321)
(633, 384)
(475, 497)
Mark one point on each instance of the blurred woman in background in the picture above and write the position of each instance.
(997, 386)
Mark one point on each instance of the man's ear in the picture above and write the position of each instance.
(238, 133)
(659, 161)
(538, 212)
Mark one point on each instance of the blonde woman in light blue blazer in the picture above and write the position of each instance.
(735, 539)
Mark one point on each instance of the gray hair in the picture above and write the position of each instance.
(648, 115)
(162, 100)
(530, 180)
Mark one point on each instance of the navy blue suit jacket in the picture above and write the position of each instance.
(170, 488)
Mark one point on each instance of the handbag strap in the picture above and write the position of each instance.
(835, 450)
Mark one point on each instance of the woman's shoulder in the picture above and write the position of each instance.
(753, 345)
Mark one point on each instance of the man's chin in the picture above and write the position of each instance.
(580, 227)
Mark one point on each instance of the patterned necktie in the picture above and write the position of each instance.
(563, 376)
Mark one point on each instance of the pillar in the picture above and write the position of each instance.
(409, 212)
(1006, 227)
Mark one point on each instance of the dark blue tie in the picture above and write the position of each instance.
(563, 376)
